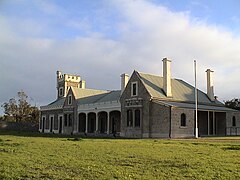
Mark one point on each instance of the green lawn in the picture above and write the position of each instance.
(29, 156)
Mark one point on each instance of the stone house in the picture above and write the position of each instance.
(147, 106)
(79, 110)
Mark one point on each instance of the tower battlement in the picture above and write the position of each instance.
(65, 81)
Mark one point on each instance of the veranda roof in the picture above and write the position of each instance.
(203, 107)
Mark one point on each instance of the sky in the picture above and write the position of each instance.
(101, 39)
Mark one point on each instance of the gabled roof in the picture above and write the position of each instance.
(86, 96)
(100, 98)
(80, 93)
(181, 91)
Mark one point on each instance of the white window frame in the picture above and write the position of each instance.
(132, 84)
(69, 97)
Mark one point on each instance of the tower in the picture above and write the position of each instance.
(65, 81)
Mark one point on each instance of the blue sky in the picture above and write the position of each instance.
(100, 40)
(57, 17)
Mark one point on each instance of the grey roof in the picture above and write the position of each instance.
(86, 96)
(181, 91)
(57, 104)
(192, 106)
(100, 98)
(79, 93)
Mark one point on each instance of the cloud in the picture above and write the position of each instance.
(158, 32)
(146, 33)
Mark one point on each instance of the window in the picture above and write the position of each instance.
(137, 118)
(65, 119)
(134, 89)
(61, 91)
(42, 121)
(60, 122)
(233, 121)
(183, 119)
(69, 99)
(129, 117)
(47, 123)
(55, 124)
(51, 122)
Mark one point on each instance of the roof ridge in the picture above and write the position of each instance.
(157, 75)
(148, 74)
(90, 89)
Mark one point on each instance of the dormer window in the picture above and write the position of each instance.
(69, 99)
(134, 88)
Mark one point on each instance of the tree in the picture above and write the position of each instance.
(234, 104)
(20, 110)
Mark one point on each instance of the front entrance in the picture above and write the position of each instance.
(115, 122)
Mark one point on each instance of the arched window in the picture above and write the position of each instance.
(137, 118)
(183, 119)
(233, 121)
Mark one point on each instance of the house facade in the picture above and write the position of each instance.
(78, 110)
(147, 106)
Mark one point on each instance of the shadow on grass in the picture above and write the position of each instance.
(232, 147)
(52, 135)
(33, 134)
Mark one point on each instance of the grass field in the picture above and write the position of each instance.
(33, 156)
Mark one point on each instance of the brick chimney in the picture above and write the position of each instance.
(124, 81)
(210, 90)
(167, 85)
